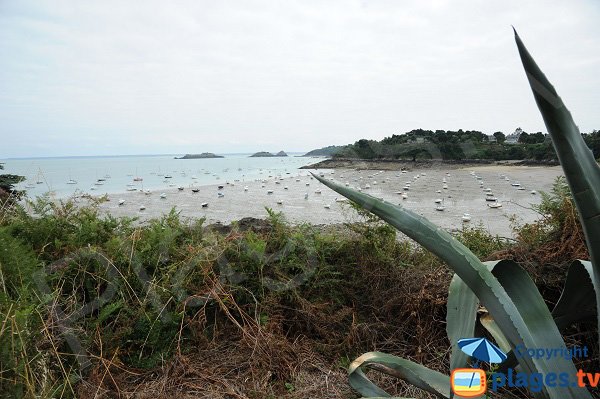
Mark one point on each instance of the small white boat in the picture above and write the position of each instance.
(404, 196)
(269, 191)
(317, 191)
(445, 187)
(195, 190)
(340, 199)
(438, 191)
(245, 188)
(495, 205)
(220, 195)
(305, 196)
(440, 208)
(163, 195)
(533, 192)
(515, 184)
(121, 202)
(327, 206)
(142, 207)
(204, 205)
(466, 218)
(406, 188)
(280, 202)
(285, 187)
(438, 201)
(71, 181)
(147, 192)
(180, 188)
(491, 199)
(297, 179)
(347, 184)
(128, 188)
(168, 177)
(307, 184)
(490, 194)
(399, 192)
(520, 188)
(367, 186)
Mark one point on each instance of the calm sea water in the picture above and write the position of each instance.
(99, 175)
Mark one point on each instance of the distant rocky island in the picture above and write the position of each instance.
(265, 154)
(200, 156)
(324, 152)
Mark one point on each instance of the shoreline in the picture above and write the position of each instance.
(399, 164)
(322, 206)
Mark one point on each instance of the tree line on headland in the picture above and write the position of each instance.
(455, 145)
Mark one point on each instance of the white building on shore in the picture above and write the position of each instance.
(514, 137)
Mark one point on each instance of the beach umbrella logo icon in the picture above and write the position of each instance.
(482, 350)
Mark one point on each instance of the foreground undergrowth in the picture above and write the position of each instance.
(93, 306)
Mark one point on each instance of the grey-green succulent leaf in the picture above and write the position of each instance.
(580, 167)
(411, 372)
(461, 317)
(578, 299)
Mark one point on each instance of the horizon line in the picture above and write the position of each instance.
(136, 155)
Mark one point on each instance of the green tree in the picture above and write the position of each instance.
(7, 184)
(500, 137)
(524, 138)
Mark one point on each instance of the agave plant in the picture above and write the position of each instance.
(517, 314)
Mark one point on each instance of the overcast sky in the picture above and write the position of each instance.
(135, 77)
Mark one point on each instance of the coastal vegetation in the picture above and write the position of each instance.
(419, 144)
(7, 187)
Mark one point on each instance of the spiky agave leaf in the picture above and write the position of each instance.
(577, 301)
(414, 373)
(461, 317)
(480, 280)
(578, 163)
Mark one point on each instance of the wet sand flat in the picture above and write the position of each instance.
(464, 194)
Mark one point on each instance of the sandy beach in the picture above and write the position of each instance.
(464, 194)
